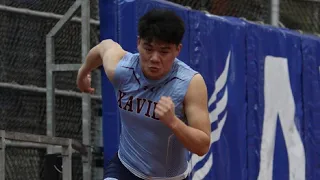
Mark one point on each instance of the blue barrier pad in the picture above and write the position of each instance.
(111, 123)
(217, 51)
(249, 112)
(311, 98)
(274, 103)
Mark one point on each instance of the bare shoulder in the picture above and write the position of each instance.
(111, 53)
(111, 50)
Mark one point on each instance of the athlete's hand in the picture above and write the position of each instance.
(165, 111)
(84, 83)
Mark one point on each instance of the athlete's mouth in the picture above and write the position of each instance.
(154, 69)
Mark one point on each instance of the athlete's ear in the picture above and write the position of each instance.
(179, 47)
(138, 40)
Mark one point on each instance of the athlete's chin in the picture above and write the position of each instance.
(155, 74)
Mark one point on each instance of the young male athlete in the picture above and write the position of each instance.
(162, 101)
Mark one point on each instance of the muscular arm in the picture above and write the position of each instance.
(107, 53)
(196, 136)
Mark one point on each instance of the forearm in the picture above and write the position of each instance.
(92, 61)
(95, 56)
(195, 140)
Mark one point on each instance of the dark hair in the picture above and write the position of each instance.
(161, 25)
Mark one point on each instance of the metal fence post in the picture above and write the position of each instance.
(67, 161)
(86, 100)
(50, 85)
(2, 155)
(274, 15)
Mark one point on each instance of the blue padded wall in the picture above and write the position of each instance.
(263, 92)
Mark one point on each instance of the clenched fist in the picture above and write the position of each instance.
(165, 111)
(84, 83)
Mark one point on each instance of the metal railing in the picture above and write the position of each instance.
(49, 141)
(42, 14)
(50, 85)
(16, 139)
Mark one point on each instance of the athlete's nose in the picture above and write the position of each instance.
(155, 58)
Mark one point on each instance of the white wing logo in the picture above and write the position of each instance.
(215, 134)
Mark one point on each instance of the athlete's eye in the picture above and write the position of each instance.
(164, 52)
(148, 49)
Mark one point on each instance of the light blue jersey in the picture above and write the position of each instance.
(148, 148)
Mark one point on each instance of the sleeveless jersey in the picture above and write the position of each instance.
(148, 148)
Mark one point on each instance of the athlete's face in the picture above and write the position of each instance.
(157, 57)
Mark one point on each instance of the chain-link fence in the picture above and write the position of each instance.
(23, 79)
(301, 15)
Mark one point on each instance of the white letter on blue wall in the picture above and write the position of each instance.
(279, 101)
